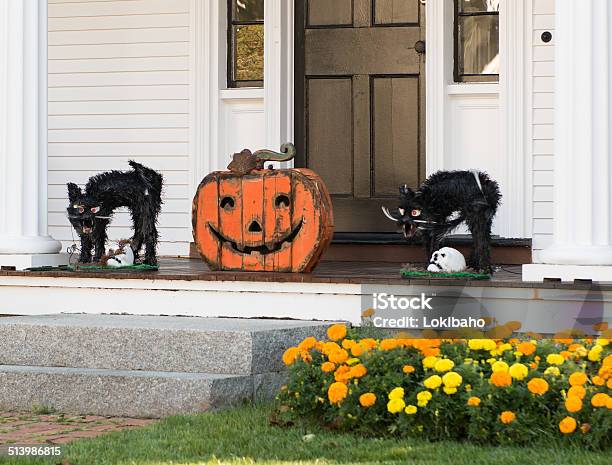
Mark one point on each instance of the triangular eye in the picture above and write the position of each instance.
(415, 213)
(95, 210)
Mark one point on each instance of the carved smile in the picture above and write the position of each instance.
(262, 249)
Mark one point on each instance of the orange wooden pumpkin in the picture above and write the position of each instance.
(256, 219)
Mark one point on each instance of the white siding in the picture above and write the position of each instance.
(543, 124)
(119, 89)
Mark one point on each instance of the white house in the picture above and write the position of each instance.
(373, 92)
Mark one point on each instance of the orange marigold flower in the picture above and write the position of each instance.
(290, 355)
(501, 379)
(567, 425)
(328, 367)
(573, 404)
(609, 383)
(598, 381)
(367, 400)
(507, 417)
(357, 350)
(306, 356)
(599, 400)
(308, 343)
(526, 348)
(343, 374)
(473, 401)
(337, 392)
(430, 351)
(408, 369)
(330, 347)
(605, 371)
(578, 391)
(577, 379)
(358, 371)
(336, 332)
(348, 344)
(607, 361)
(537, 386)
(388, 344)
(338, 356)
(565, 354)
(368, 343)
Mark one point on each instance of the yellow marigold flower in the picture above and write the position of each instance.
(552, 371)
(489, 344)
(595, 353)
(290, 355)
(537, 386)
(449, 390)
(338, 356)
(352, 361)
(410, 409)
(567, 425)
(452, 379)
(348, 344)
(432, 382)
(388, 344)
(598, 380)
(308, 343)
(422, 403)
(336, 332)
(526, 348)
(430, 362)
(602, 342)
(475, 344)
(577, 379)
(518, 371)
(577, 391)
(367, 400)
(555, 359)
(507, 417)
(337, 392)
(573, 404)
(408, 369)
(599, 400)
(473, 401)
(327, 367)
(444, 365)
(499, 365)
(424, 396)
(397, 393)
(396, 405)
(501, 379)
(358, 371)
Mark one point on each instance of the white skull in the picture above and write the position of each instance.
(124, 259)
(447, 260)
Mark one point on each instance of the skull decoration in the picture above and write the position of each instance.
(256, 219)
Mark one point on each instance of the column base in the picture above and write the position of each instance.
(23, 261)
(539, 271)
(25, 245)
(577, 255)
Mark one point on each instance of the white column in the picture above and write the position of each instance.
(23, 136)
(582, 246)
(278, 73)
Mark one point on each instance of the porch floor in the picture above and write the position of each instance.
(336, 272)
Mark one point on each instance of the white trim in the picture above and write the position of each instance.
(206, 80)
(528, 122)
(243, 93)
(279, 72)
(473, 89)
(512, 95)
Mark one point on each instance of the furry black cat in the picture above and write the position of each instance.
(444, 201)
(90, 211)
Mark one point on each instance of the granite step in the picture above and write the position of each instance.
(150, 394)
(152, 343)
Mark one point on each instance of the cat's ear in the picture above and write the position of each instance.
(74, 192)
(406, 192)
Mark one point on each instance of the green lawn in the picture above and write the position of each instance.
(243, 436)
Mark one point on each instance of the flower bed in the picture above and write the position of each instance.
(483, 390)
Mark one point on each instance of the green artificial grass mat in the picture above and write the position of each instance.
(415, 273)
(244, 436)
(99, 268)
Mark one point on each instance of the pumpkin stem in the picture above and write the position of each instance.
(288, 151)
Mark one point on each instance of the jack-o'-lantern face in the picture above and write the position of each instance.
(266, 220)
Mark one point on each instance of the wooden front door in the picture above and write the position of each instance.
(360, 93)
